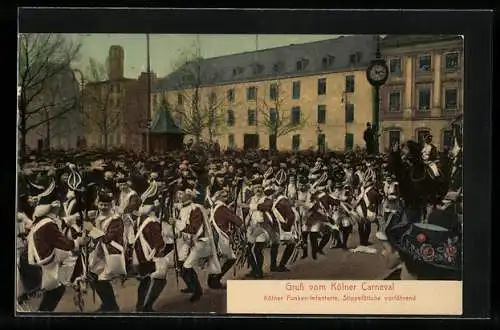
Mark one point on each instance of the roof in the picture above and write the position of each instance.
(163, 123)
(415, 39)
(273, 62)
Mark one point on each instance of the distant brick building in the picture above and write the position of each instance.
(116, 109)
(135, 113)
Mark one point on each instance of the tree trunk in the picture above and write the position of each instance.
(105, 141)
(22, 129)
(48, 133)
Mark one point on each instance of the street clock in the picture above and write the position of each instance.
(377, 72)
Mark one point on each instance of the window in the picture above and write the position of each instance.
(394, 137)
(421, 133)
(230, 95)
(296, 142)
(251, 93)
(395, 67)
(298, 66)
(322, 86)
(359, 57)
(447, 139)
(296, 90)
(238, 70)
(230, 141)
(278, 67)
(349, 113)
(424, 99)
(451, 62)
(349, 141)
(328, 61)
(295, 115)
(324, 62)
(450, 99)
(273, 91)
(349, 84)
(395, 101)
(230, 118)
(257, 68)
(273, 116)
(321, 142)
(180, 99)
(252, 117)
(321, 114)
(424, 63)
(352, 59)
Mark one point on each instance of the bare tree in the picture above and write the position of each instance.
(100, 103)
(42, 58)
(275, 117)
(215, 115)
(199, 115)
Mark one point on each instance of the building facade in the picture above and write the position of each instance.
(112, 108)
(424, 92)
(320, 88)
(61, 96)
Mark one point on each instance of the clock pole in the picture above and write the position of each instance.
(377, 81)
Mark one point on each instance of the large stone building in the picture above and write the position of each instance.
(321, 86)
(424, 92)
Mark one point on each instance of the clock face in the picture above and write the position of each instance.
(378, 72)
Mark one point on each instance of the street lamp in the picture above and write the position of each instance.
(377, 74)
(148, 134)
(82, 87)
(318, 132)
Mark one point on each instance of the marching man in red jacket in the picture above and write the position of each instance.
(47, 247)
(195, 242)
(223, 220)
(149, 251)
(107, 260)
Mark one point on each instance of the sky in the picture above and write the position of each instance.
(166, 49)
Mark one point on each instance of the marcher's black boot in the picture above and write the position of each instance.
(104, 290)
(194, 284)
(252, 261)
(323, 242)
(336, 240)
(346, 231)
(51, 299)
(185, 278)
(314, 244)
(285, 257)
(142, 289)
(215, 281)
(259, 259)
(305, 244)
(274, 256)
(154, 292)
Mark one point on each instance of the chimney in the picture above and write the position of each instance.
(116, 62)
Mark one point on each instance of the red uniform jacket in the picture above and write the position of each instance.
(224, 216)
(114, 232)
(284, 207)
(49, 237)
(320, 207)
(266, 208)
(152, 235)
(195, 222)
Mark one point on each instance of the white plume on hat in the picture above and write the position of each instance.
(46, 201)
